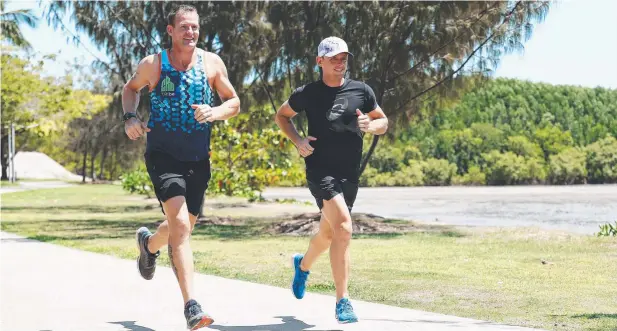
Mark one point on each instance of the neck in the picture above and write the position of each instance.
(333, 81)
(180, 57)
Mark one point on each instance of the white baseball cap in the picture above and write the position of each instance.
(332, 46)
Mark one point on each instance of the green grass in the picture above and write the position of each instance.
(6, 183)
(489, 274)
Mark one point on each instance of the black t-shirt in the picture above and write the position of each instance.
(332, 119)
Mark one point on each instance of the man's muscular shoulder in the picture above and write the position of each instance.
(149, 66)
(214, 63)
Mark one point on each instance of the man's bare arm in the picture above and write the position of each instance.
(227, 93)
(379, 122)
(283, 120)
(140, 79)
(133, 127)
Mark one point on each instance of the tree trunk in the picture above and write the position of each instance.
(112, 170)
(92, 159)
(5, 157)
(103, 157)
(83, 167)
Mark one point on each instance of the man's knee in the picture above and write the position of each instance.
(325, 234)
(180, 225)
(343, 231)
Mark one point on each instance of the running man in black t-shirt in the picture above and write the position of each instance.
(339, 111)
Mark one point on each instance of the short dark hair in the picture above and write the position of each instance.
(171, 18)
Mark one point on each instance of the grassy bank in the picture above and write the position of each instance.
(527, 277)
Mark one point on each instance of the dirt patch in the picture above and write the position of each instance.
(215, 220)
(307, 224)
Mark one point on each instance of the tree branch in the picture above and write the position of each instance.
(466, 60)
(65, 29)
(440, 47)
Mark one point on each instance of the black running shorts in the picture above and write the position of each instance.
(171, 178)
(325, 187)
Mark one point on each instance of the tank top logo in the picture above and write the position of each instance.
(168, 85)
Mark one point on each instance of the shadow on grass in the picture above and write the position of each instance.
(93, 229)
(593, 316)
(117, 208)
(452, 233)
(83, 208)
(444, 231)
(219, 205)
(392, 235)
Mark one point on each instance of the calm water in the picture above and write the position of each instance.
(578, 208)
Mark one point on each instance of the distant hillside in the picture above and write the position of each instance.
(506, 132)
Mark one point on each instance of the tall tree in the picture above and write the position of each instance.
(407, 51)
(10, 21)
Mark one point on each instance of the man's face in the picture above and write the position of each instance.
(185, 33)
(335, 65)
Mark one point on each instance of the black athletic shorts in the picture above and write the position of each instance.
(171, 178)
(327, 186)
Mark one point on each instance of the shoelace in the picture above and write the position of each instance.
(302, 275)
(194, 309)
(150, 258)
(345, 307)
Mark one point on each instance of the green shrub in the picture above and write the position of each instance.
(410, 175)
(511, 169)
(602, 161)
(137, 181)
(568, 167)
(607, 230)
(474, 176)
(438, 172)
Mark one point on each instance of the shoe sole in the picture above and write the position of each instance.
(345, 322)
(205, 321)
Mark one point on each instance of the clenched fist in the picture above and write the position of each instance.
(135, 128)
(205, 113)
(363, 121)
(304, 147)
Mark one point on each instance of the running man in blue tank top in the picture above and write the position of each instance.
(181, 82)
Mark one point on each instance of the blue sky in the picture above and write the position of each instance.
(575, 45)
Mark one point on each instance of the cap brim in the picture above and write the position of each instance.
(331, 54)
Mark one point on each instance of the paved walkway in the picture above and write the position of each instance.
(47, 287)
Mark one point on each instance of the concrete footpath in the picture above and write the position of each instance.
(46, 287)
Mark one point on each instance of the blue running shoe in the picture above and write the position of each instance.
(299, 283)
(344, 312)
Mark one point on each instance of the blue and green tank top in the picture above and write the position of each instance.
(173, 128)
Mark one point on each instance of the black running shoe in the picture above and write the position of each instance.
(195, 317)
(146, 262)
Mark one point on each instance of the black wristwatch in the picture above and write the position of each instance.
(128, 116)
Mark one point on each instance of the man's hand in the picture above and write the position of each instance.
(363, 121)
(205, 113)
(135, 128)
(304, 147)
